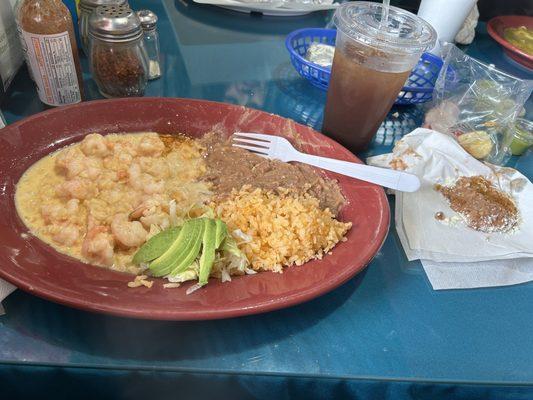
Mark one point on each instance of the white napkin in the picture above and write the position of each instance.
(6, 289)
(453, 255)
(443, 275)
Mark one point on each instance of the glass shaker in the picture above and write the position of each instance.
(117, 58)
(86, 8)
(151, 42)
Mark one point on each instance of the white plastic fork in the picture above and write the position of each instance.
(276, 147)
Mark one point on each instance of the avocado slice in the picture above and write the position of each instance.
(208, 253)
(184, 260)
(188, 237)
(221, 232)
(156, 245)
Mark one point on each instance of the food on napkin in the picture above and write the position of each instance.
(484, 207)
(432, 227)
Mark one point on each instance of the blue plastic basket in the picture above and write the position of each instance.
(421, 81)
(420, 84)
(298, 42)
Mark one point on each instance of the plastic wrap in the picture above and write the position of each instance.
(477, 104)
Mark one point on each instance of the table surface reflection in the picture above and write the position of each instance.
(386, 324)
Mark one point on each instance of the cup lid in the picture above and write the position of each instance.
(115, 23)
(402, 31)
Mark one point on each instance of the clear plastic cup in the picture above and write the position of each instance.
(373, 59)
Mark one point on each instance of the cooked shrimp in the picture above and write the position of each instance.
(71, 162)
(92, 172)
(86, 192)
(140, 210)
(55, 213)
(98, 245)
(107, 180)
(94, 144)
(152, 187)
(128, 233)
(72, 206)
(160, 219)
(150, 212)
(76, 189)
(144, 182)
(52, 213)
(123, 148)
(156, 167)
(134, 174)
(149, 204)
(125, 158)
(151, 145)
(66, 235)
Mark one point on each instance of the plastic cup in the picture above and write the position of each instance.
(373, 59)
(522, 138)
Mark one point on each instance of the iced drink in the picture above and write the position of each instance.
(373, 59)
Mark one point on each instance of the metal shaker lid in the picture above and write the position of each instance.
(92, 4)
(115, 24)
(148, 19)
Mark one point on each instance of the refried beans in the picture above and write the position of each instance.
(231, 168)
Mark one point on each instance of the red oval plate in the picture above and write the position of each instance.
(37, 268)
(496, 27)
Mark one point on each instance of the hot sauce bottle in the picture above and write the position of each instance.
(47, 35)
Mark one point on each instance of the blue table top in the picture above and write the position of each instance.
(385, 324)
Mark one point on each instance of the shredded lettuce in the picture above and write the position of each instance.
(193, 288)
(249, 271)
(241, 235)
(208, 213)
(230, 246)
(173, 213)
(224, 275)
(235, 258)
(189, 274)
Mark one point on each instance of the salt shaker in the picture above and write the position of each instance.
(151, 42)
(86, 8)
(117, 57)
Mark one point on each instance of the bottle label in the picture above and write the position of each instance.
(52, 67)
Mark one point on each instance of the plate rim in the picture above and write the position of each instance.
(526, 59)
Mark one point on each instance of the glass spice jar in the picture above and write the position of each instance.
(86, 8)
(117, 58)
(151, 42)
